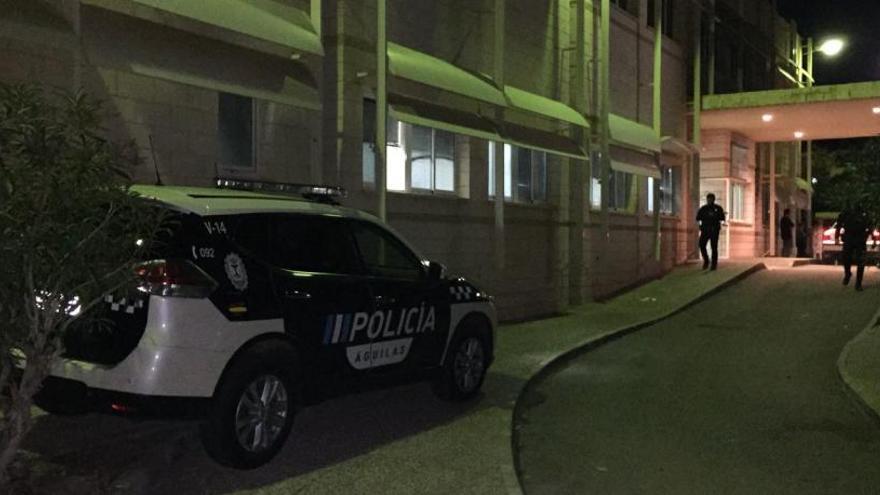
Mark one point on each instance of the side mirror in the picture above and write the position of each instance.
(436, 271)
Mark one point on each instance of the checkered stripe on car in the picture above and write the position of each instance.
(124, 304)
(462, 292)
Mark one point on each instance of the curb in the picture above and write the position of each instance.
(848, 381)
(554, 363)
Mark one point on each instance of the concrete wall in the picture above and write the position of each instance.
(160, 86)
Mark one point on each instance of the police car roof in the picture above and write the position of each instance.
(206, 201)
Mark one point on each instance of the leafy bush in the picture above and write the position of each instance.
(69, 233)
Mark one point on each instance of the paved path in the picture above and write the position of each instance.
(738, 394)
(401, 440)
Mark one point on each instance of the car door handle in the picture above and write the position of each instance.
(384, 301)
(296, 295)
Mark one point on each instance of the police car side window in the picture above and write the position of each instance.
(251, 232)
(383, 255)
(312, 244)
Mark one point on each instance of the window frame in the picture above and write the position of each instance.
(511, 178)
(737, 207)
(404, 130)
(629, 206)
(669, 178)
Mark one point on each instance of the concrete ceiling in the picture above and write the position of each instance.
(822, 112)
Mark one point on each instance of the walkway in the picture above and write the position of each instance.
(739, 394)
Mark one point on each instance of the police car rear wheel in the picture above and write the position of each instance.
(253, 407)
(261, 413)
(465, 368)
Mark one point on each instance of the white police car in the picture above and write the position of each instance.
(260, 302)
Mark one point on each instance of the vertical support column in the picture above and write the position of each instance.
(381, 109)
(658, 115)
(773, 218)
(605, 106)
(810, 82)
(711, 46)
(577, 185)
(498, 77)
(697, 109)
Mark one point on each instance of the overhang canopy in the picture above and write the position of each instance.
(270, 21)
(119, 41)
(430, 115)
(633, 162)
(529, 137)
(543, 106)
(676, 146)
(821, 112)
(631, 134)
(422, 68)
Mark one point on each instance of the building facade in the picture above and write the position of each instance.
(543, 148)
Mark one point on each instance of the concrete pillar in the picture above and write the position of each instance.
(773, 219)
(381, 108)
(498, 76)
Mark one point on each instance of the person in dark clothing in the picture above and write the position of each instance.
(785, 230)
(856, 227)
(710, 217)
(801, 238)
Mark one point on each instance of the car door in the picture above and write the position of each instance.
(322, 294)
(410, 323)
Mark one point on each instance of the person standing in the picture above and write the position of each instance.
(786, 226)
(856, 228)
(710, 217)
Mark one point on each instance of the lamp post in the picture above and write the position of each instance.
(831, 47)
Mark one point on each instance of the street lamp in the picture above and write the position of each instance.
(831, 47)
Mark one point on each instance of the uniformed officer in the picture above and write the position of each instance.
(710, 217)
(856, 228)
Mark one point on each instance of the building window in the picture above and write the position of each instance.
(418, 159)
(525, 174)
(631, 6)
(235, 125)
(620, 193)
(596, 182)
(737, 202)
(668, 18)
(669, 190)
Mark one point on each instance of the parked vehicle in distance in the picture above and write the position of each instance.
(832, 245)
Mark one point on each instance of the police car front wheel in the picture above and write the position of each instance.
(465, 367)
(252, 409)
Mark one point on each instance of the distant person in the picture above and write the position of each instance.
(856, 227)
(786, 226)
(710, 217)
(801, 238)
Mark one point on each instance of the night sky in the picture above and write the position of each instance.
(857, 21)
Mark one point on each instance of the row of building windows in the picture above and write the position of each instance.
(422, 160)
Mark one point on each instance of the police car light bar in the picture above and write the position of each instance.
(326, 194)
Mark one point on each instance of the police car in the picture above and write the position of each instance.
(266, 297)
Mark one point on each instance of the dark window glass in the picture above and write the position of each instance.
(235, 122)
(251, 233)
(383, 255)
(523, 174)
(312, 244)
(420, 149)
